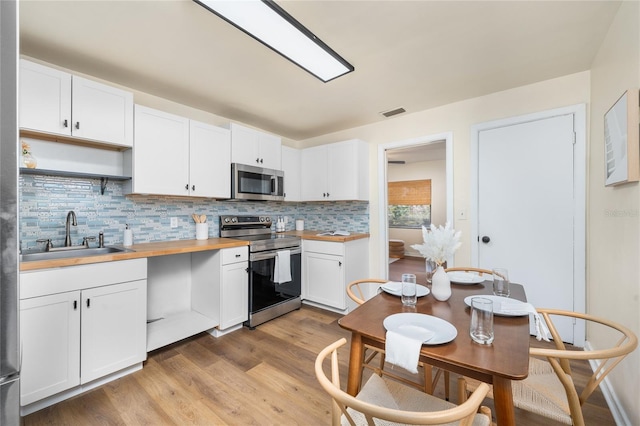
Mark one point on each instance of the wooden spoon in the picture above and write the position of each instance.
(203, 218)
(196, 218)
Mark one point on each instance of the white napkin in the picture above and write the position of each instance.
(542, 332)
(402, 347)
(461, 277)
(282, 267)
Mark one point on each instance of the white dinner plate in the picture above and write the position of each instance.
(465, 278)
(395, 288)
(497, 305)
(405, 323)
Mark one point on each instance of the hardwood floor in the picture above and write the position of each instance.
(262, 377)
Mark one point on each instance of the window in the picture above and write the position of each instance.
(409, 204)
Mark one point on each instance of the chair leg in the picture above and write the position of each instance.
(462, 390)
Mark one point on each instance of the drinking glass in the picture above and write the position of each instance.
(481, 328)
(409, 295)
(501, 282)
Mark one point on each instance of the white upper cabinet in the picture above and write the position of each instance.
(58, 103)
(173, 155)
(337, 171)
(160, 154)
(255, 148)
(210, 161)
(291, 167)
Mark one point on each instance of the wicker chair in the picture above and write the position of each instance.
(356, 291)
(549, 390)
(391, 401)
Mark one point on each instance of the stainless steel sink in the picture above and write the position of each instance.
(65, 254)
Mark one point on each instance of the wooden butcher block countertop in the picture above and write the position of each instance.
(138, 251)
(313, 235)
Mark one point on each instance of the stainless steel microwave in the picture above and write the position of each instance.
(256, 183)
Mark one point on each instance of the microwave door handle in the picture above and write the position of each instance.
(274, 185)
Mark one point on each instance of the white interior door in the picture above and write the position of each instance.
(526, 208)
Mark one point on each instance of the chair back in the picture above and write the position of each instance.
(355, 289)
(348, 406)
(480, 271)
(625, 342)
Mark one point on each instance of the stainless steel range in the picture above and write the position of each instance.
(274, 266)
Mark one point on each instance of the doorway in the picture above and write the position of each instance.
(404, 154)
(528, 207)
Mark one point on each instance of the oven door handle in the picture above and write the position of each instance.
(263, 255)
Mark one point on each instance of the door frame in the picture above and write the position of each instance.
(447, 137)
(579, 202)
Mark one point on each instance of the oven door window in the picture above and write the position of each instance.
(255, 183)
(264, 292)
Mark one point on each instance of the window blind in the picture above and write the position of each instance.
(410, 192)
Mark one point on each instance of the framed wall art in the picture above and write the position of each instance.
(622, 140)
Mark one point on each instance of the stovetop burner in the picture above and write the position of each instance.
(256, 230)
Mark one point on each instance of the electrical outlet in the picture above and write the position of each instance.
(174, 222)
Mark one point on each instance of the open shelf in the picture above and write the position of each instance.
(65, 173)
(176, 327)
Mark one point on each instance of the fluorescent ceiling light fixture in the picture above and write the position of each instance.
(274, 27)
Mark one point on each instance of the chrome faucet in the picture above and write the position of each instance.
(70, 216)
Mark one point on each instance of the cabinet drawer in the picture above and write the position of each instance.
(233, 255)
(69, 278)
(326, 247)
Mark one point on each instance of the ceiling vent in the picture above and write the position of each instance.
(393, 112)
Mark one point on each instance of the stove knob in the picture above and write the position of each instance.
(267, 219)
(226, 220)
(262, 219)
(234, 220)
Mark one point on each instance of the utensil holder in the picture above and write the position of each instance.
(202, 231)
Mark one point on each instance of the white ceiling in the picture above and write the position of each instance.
(413, 54)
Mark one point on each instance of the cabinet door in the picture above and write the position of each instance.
(161, 153)
(324, 279)
(245, 143)
(234, 295)
(50, 342)
(292, 177)
(314, 173)
(270, 151)
(45, 99)
(342, 169)
(210, 161)
(102, 112)
(114, 328)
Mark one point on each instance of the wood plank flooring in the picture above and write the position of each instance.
(259, 377)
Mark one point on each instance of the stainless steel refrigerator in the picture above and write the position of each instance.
(9, 359)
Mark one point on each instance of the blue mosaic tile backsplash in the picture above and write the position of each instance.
(46, 200)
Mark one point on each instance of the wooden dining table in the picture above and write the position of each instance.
(506, 359)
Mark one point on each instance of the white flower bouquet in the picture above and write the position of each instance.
(440, 243)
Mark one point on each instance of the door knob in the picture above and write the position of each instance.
(486, 239)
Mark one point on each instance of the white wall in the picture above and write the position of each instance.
(434, 170)
(613, 215)
(457, 118)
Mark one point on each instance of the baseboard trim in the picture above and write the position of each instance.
(617, 410)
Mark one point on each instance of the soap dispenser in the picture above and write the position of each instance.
(128, 236)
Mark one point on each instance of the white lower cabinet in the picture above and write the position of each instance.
(50, 341)
(71, 338)
(327, 269)
(234, 288)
